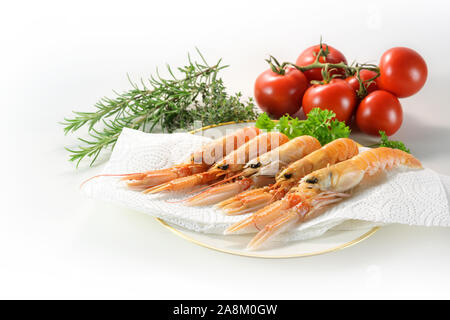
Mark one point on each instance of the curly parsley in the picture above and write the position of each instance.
(319, 124)
(385, 142)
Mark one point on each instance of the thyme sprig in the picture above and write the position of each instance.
(198, 94)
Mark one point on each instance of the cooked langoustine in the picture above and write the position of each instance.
(199, 161)
(319, 189)
(252, 200)
(259, 171)
(229, 165)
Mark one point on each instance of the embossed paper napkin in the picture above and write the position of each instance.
(407, 197)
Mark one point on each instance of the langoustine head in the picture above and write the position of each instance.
(333, 178)
(254, 148)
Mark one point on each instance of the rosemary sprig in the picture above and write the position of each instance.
(167, 104)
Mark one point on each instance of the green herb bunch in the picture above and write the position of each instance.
(198, 94)
(319, 124)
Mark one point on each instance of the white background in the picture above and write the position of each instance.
(60, 56)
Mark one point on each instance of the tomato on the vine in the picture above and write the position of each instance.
(337, 96)
(308, 56)
(364, 75)
(380, 110)
(278, 94)
(403, 72)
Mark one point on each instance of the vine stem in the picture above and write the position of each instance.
(326, 67)
(329, 66)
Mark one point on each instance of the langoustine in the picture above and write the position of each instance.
(259, 171)
(252, 200)
(228, 166)
(320, 189)
(199, 161)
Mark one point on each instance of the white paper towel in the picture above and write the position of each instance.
(406, 197)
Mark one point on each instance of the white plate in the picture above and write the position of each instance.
(332, 240)
(235, 244)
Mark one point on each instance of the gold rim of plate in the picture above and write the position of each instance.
(255, 255)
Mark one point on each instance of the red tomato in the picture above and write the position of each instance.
(402, 71)
(337, 96)
(364, 75)
(380, 110)
(280, 94)
(309, 56)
